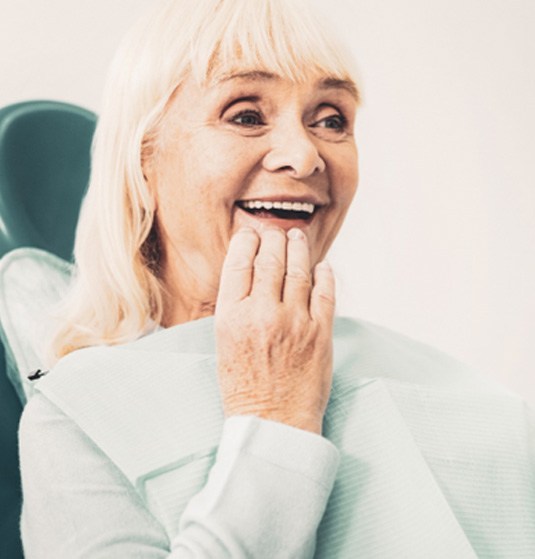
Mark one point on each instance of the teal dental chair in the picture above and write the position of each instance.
(44, 171)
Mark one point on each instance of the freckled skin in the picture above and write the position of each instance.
(256, 139)
(216, 146)
(274, 333)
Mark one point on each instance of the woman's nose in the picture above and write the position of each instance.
(293, 151)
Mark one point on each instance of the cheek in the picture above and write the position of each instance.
(345, 180)
(219, 173)
(350, 165)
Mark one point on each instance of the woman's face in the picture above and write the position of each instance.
(250, 150)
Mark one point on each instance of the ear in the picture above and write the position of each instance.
(148, 167)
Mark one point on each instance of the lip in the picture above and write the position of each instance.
(244, 218)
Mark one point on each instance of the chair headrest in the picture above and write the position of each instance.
(44, 171)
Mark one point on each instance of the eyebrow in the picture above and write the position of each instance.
(248, 75)
(336, 83)
(326, 83)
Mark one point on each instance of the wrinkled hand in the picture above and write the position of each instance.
(274, 329)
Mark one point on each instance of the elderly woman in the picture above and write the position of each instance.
(206, 403)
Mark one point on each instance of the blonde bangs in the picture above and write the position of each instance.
(281, 37)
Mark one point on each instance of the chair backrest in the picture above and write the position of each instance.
(44, 171)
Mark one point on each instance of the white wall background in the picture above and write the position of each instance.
(440, 243)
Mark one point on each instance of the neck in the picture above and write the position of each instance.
(179, 312)
(186, 297)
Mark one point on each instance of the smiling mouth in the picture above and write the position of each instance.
(281, 210)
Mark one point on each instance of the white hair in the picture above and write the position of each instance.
(117, 289)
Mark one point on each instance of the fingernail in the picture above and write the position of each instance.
(246, 229)
(295, 234)
(323, 265)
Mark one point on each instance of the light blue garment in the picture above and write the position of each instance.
(435, 461)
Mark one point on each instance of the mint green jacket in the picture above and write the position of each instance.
(125, 453)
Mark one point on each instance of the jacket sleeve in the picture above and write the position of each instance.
(264, 497)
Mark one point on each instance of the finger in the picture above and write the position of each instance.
(322, 298)
(297, 281)
(237, 271)
(270, 264)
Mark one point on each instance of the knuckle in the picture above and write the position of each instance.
(326, 298)
(268, 261)
(298, 331)
(237, 263)
(297, 274)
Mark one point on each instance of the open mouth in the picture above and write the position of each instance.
(280, 210)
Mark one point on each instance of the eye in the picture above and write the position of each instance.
(336, 122)
(247, 118)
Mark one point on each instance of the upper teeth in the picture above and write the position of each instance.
(292, 206)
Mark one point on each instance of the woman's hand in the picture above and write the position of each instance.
(274, 329)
